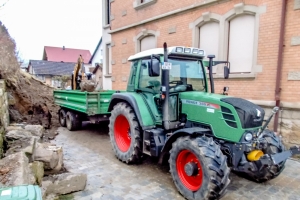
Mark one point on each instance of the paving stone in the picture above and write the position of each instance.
(90, 152)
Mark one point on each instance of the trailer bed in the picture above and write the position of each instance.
(90, 103)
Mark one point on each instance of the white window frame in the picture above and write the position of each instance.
(105, 20)
(144, 33)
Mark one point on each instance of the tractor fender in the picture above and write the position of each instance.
(180, 133)
(138, 105)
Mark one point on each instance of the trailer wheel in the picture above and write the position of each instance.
(274, 145)
(124, 132)
(73, 121)
(62, 117)
(199, 168)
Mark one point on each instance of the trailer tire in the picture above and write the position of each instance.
(73, 121)
(125, 133)
(199, 168)
(274, 145)
(62, 117)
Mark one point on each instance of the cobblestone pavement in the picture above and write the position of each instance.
(89, 151)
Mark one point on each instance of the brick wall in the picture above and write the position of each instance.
(260, 88)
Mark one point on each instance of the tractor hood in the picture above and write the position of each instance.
(250, 115)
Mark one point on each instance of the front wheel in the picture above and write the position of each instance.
(125, 134)
(199, 168)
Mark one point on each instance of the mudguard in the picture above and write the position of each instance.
(140, 107)
(180, 133)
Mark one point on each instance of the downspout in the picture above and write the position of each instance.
(279, 62)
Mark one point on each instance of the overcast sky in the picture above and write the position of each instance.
(38, 23)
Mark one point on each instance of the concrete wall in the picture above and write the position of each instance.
(4, 115)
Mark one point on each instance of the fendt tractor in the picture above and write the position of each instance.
(168, 112)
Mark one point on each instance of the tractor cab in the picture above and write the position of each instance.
(162, 78)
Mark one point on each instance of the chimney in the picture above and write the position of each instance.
(63, 47)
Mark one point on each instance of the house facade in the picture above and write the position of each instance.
(260, 39)
(107, 44)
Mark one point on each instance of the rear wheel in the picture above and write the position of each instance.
(62, 117)
(124, 132)
(73, 121)
(198, 168)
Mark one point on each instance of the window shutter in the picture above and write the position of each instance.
(241, 43)
(209, 40)
(148, 43)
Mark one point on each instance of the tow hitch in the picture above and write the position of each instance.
(279, 157)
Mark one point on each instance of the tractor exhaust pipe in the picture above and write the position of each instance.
(210, 69)
(165, 91)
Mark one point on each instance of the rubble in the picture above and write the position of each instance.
(15, 170)
(63, 183)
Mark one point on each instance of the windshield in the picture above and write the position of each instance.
(185, 75)
(187, 72)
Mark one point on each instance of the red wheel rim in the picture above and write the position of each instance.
(193, 182)
(122, 133)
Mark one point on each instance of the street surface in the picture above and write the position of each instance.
(89, 151)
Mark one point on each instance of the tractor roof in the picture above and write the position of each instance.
(177, 50)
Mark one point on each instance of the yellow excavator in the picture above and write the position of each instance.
(75, 80)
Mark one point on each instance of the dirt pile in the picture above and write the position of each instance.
(30, 100)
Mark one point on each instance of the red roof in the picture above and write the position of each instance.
(61, 54)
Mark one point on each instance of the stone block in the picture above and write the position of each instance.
(295, 41)
(286, 114)
(17, 170)
(296, 114)
(18, 134)
(37, 169)
(296, 4)
(124, 12)
(124, 41)
(3, 84)
(124, 60)
(50, 155)
(64, 183)
(294, 76)
(172, 29)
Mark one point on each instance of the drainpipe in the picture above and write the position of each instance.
(279, 62)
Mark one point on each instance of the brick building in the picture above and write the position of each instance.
(248, 33)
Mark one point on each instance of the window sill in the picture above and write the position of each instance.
(106, 26)
(137, 5)
(107, 75)
(236, 76)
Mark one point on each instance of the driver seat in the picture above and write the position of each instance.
(155, 84)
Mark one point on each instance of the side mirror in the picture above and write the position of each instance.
(153, 67)
(226, 72)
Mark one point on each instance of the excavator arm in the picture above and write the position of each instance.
(77, 67)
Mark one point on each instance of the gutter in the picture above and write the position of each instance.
(279, 62)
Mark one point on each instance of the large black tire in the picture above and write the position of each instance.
(199, 168)
(62, 117)
(274, 145)
(73, 121)
(125, 133)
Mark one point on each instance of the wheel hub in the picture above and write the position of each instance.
(191, 169)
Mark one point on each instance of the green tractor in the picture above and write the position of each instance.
(167, 112)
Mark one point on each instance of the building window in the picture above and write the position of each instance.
(108, 59)
(147, 42)
(209, 39)
(241, 43)
(106, 12)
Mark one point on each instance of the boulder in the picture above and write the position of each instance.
(26, 145)
(18, 134)
(14, 170)
(87, 85)
(63, 183)
(49, 154)
(59, 166)
(37, 169)
(10, 128)
(36, 130)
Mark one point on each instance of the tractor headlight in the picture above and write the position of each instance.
(248, 136)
